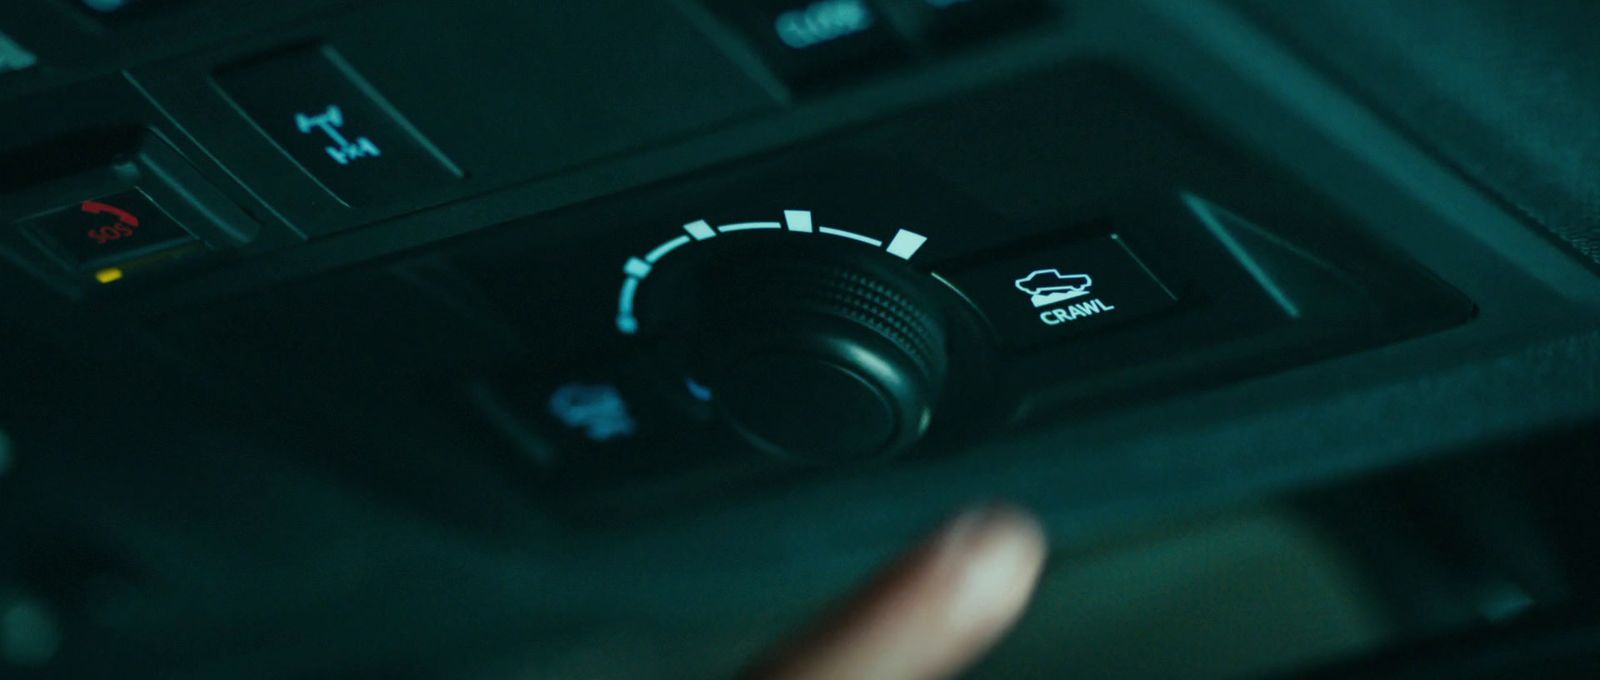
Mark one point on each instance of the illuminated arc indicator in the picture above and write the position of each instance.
(662, 250)
(748, 226)
(625, 319)
(700, 230)
(851, 235)
(904, 245)
(798, 220)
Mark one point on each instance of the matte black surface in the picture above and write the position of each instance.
(1506, 91)
(116, 12)
(803, 408)
(956, 20)
(815, 353)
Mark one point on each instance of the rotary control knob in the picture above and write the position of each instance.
(819, 355)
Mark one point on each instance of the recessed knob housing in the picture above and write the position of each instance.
(819, 354)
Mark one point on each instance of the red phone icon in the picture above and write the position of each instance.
(122, 228)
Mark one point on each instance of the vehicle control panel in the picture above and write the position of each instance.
(781, 239)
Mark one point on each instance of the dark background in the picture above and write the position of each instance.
(268, 460)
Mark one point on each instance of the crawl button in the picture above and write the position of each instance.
(1059, 293)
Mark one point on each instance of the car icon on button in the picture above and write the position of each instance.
(1049, 286)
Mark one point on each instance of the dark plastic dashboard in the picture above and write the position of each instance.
(407, 243)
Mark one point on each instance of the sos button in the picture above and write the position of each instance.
(107, 229)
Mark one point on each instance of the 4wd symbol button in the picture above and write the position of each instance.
(1057, 293)
(331, 122)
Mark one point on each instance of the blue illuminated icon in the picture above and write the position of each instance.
(821, 22)
(697, 390)
(343, 150)
(598, 410)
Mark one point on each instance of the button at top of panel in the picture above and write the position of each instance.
(326, 118)
(809, 40)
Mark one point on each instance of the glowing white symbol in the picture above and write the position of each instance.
(598, 410)
(343, 150)
(1074, 311)
(1049, 286)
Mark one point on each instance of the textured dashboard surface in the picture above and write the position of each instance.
(1508, 91)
